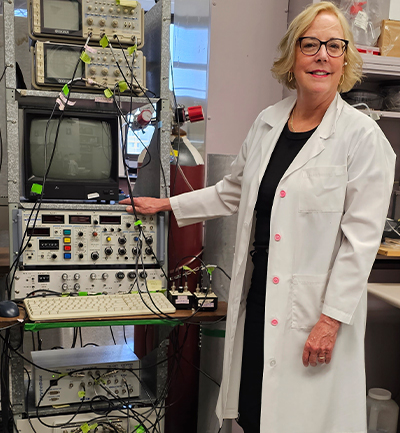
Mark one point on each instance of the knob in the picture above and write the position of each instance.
(143, 274)
(122, 251)
(102, 9)
(76, 277)
(128, 225)
(29, 244)
(112, 229)
(104, 276)
(54, 256)
(80, 245)
(120, 275)
(92, 276)
(80, 256)
(134, 251)
(148, 251)
(94, 256)
(108, 251)
(114, 23)
(131, 275)
(89, 8)
(111, 10)
(122, 241)
(89, 21)
(80, 234)
(104, 230)
(180, 289)
(77, 286)
(104, 59)
(149, 240)
(92, 70)
(64, 287)
(104, 71)
(117, 73)
(102, 21)
(126, 11)
(64, 277)
(95, 222)
(94, 234)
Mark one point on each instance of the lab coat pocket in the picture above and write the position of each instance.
(323, 189)
(308, 293)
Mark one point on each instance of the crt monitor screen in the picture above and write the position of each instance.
(85, 153)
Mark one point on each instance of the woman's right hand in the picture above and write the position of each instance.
(147, 205)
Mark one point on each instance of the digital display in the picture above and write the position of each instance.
(60, 63)
(110, 219)
(50, 219)
(61, 15)
(38, 231)
(80, 219)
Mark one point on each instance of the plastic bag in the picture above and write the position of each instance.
(365, 19)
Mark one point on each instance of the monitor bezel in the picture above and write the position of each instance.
(72, 190)
(60, 33)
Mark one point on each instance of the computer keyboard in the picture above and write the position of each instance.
(82, 307)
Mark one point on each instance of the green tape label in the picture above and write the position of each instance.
(85, 427)
(81, 394)
(108, 93)
(138, 223)
(104, 41)
(85, 57)
(139, 429)
(122, 86)
(65, 90)
(36, 188)
(132, 49)
(82, 293)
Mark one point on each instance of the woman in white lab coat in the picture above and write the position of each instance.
(311, 185)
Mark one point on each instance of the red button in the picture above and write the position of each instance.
(67, 247)
(94, 233)
(275, 280)
(282, 193)
(277, 237)
(274, 322)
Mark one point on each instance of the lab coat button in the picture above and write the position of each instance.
(274, 322)
(275, 280)
(272, 362)
(277, 237)
(282, 193)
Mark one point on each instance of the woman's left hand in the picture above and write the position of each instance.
(319, 345)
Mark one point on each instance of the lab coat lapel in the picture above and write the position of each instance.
(316, 143)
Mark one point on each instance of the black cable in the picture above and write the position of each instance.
(1, 151)
(26, 400)
(112, 335)
(4, 71)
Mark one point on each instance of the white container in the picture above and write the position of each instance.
(382, 412)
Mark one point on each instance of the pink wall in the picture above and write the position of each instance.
(243, 41)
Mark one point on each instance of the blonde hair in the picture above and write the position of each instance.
(352, 59)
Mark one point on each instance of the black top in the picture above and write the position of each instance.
(287, 147)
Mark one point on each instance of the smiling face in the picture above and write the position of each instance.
(319, 75)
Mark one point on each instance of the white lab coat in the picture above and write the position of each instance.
(329, 212)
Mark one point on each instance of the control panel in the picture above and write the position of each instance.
(84, 373)
(75, 20)
(73, 239)
(54, 65)
(104, 281)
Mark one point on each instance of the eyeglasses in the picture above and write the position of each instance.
(334, 47)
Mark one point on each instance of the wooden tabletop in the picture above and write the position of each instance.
(184, 315)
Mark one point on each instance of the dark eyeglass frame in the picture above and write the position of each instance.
(346, 43)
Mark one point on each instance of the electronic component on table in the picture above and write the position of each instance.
(105, 281)
(85, 162)
(53, 66)
(84, 307)
(73, 21)
(181, 297)
(205, 299)
(83, 238)
(114, 421)
(103, 365)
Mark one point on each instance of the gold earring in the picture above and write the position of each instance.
(290, 76)
(341, 81)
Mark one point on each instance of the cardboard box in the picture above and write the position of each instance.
(389, 40)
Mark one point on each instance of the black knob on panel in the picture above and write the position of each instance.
(131, 275)
(149, 240)
(122, 251)
(94, 256)
(29, 244)
(143, 274)
(128, 225)
(148, 251)
(80, 245)
(134, 251)
(95, 222)
(122, 241)
(120, 275)
(80, 234)
(54, 256)
(108, 251)
(80, 256)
